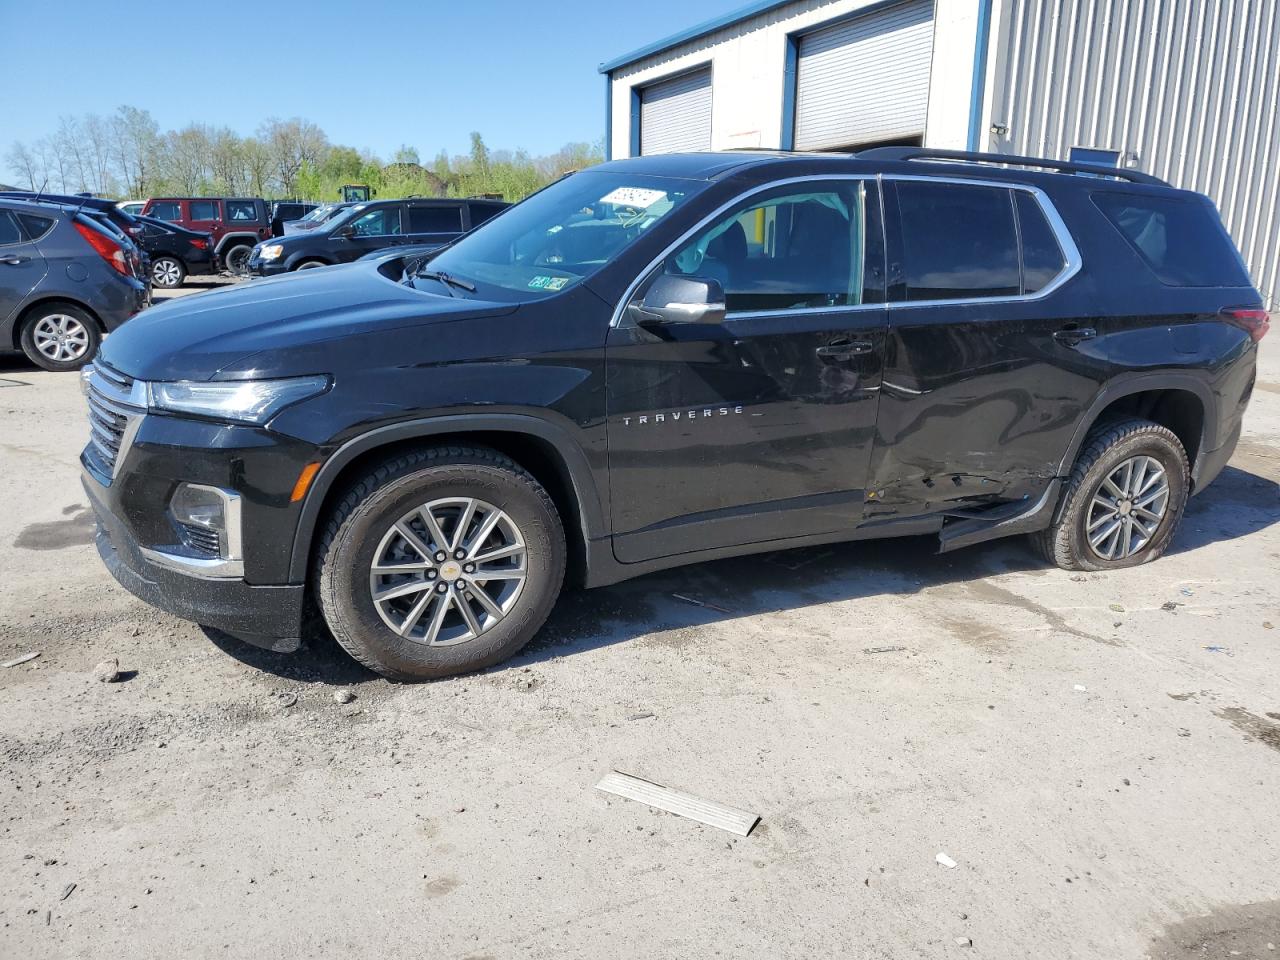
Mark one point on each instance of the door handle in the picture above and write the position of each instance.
(12, 260)
(1073, 335)
(844, 349)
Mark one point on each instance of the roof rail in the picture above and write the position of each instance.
(966, 156)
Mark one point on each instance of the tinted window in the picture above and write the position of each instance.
(801, 247)
(435, 219)
(8, 229)
(36, 227)
(166, 210)
(480, 212)
(378, 223)
(242, 210)
(1182, 240)
(204, 209)
(1042, 258)
(958, 241)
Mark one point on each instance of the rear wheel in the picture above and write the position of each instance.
(237, 259)
(168, 272)
(439, 562)
(1124, 501)
(59, 337)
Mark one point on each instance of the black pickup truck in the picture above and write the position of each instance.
(670, 359)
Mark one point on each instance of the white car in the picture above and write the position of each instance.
(132, 207)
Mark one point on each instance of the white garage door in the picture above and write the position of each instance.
(865, 80)
(676, 114)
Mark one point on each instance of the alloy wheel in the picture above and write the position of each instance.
(166, 272)
(60, 337)
(448, 571)
(1126, 509)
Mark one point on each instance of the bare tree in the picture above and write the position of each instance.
(290, 144)
(136, 139)
(97, 133)
(27, 162)
(69, 141)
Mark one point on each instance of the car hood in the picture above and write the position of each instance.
(198, 337)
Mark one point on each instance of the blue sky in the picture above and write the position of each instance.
(372, 75)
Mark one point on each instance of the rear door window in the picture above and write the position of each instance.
(1182, 240)
(435, 218)
(166, 210)
(1042, 257)
(203, 209)
(959, 241)
(9, 232)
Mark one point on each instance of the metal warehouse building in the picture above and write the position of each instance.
(1188, 91)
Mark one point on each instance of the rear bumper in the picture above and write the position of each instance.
(229, 604)
(1210, 463)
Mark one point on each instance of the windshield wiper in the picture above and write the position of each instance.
(447, 280)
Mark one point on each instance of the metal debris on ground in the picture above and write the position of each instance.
(640, 716)
(883, 649)
(1214, 648)
(1170, 605)
(700, 603)
(66, 891)
(687, 805)
(946, 861)
(22, 659)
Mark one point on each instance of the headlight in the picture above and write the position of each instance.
(271, 251)
(250, 401)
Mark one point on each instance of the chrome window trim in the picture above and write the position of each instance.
(1070, 252)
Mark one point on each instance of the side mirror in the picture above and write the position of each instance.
(346, 233)
(681, 300)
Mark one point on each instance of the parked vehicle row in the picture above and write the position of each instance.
(234, 223)
(665, 360)
(68, 276)
(364, 228)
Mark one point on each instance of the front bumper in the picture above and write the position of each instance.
(230, 604)
(267, 268)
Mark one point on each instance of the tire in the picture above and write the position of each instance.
(1092, 506)
(310, 265)
(237, 259)
(365, 526)
(168, 272)
(59, 337)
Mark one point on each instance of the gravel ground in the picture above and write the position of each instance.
(1099, 755)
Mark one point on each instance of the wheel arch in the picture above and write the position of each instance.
(234, 239)
(537, 445)
(296, 261)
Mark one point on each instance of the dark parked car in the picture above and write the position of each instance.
(287, 211)
(375, 225)
(125, 222)
(235, 223)
(175, 252)
(671, 359)
(65, 280)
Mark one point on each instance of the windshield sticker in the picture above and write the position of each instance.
(548, 283)
(637, 197)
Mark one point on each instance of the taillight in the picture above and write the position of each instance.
(1252, 320)
(200, 244)
(105, 247)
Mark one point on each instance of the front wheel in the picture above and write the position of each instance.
(60, 337)
(438, 562)
(237, 259)
(1124, 500)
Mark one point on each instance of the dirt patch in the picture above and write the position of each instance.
(986, 590)
(1252, 726)
(1229, 931)
(57, 534)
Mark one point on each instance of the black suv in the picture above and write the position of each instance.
(367, 227)
(670, 359)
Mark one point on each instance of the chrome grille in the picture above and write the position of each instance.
(201, 539)
(116, 403)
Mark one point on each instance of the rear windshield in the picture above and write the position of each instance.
(1181, 239)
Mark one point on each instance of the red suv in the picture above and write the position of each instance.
(236, 223)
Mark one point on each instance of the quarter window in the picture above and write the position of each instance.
(204, 209)
(242, 210)
(1182, 241)
(378, 223)
(36, 227)
(959, 242)
(1042, 258)
(799, 248)
(435, 219)
(166, 210)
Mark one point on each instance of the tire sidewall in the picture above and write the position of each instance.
(349, 605)
(28, 343)
(1173, 460)
(234, 250)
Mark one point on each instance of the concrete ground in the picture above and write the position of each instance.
(1099, 755)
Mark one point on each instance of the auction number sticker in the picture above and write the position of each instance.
(638, 197)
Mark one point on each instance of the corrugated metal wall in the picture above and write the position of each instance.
(1188, 91)
(675, 114)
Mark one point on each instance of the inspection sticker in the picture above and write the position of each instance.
(637, 197)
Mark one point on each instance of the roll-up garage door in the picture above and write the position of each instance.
(675, 114)
(865, 80)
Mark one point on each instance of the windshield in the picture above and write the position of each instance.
(560, 235)
(319, 214)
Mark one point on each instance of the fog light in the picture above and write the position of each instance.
(208, 515)
(85, 373)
